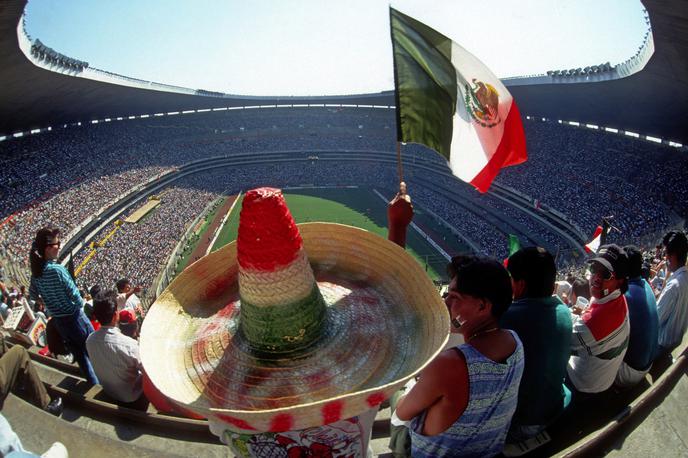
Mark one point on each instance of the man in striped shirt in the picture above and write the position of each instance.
(672, 305)
(601, 331)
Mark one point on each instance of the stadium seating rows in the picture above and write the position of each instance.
(64, 177)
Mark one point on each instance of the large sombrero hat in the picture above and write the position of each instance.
(292, 327)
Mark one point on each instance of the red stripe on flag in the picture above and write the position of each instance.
(511, 150)
(594, 244)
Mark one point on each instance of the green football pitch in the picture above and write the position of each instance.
(359, 207)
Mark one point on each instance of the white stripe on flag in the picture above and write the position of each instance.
(594, 244)
(473, 145)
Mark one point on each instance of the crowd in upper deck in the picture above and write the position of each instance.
(67, 176)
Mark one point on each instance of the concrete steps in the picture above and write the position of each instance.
(86, 436)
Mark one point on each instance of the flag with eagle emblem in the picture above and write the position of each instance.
(451, 102)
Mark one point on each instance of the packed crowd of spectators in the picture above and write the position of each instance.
(65, 177)
(489, 238)
(141, 249)
(587, 175)
(69, 208)
(507, 216)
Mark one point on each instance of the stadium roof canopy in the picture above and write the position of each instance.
(653, 101)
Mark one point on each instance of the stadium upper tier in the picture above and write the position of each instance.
(651, 102)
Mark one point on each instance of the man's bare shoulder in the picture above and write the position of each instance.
(447, 366)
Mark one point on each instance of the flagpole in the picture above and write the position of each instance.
(400, 167)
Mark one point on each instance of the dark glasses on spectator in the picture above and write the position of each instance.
(54, 244)
(601, 271)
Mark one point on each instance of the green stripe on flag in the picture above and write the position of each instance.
(514, 244)
(425, 81)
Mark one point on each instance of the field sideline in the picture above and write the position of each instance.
(358, 207)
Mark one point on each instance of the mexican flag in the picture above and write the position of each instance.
(451, 102)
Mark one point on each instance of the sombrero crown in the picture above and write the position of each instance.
(282, 310)
(292, 326)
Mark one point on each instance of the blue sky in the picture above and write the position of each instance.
(325, 47)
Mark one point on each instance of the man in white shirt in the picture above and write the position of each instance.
(115, 357)
(672, 305)
(126, 297)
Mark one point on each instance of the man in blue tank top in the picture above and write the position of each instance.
(464, 399)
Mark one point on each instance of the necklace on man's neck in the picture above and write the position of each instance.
(481, 332)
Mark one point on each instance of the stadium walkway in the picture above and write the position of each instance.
(665, 430)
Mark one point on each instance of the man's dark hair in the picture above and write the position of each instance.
(581, 287)
(95, 290)
(484, 278)
(645, 271)
(635, 261)
(105, 306)
(536, 266)
(676, 243)
(456, 262)
(122, 283)
(130, 329)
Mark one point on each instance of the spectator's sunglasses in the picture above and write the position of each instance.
(58, 243)
(602, 271)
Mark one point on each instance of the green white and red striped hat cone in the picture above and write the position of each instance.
(282, 310)
(292, 326)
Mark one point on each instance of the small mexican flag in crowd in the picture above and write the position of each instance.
(451, 102)
(514, 246)
(595, 241)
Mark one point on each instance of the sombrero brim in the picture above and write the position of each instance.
(386, 321)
